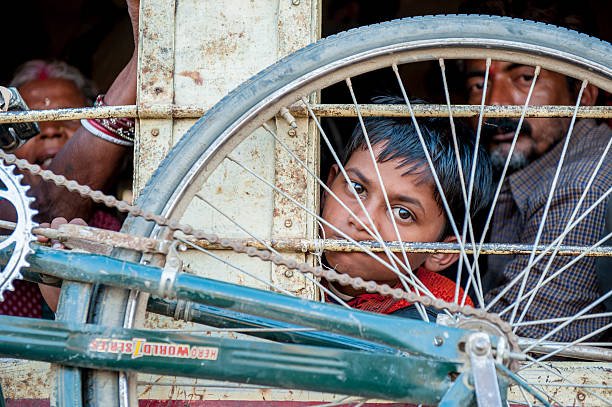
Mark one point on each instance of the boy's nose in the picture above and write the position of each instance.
(360, 224)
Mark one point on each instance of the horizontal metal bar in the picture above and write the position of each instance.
(94, 240)
(318, 245)
(149, 112)
(432, 110)
(69, 233)
(322, 110)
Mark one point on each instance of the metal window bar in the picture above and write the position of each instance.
(322, 110)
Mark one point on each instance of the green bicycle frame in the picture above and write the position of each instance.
(397, 358)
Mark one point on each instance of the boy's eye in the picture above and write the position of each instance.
(358, 187)
(402, 213)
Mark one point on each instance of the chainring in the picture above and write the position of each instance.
(13, 191)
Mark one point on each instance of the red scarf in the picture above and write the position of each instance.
(440, 286)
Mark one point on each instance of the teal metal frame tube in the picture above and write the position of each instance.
(365, 374)
(223, 318)
(415, 337)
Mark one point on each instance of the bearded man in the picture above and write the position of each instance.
(526, 188)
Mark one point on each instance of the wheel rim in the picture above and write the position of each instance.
(238, 130)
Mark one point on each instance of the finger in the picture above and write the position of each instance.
(55, 223)
(78, 221)
(40, 238)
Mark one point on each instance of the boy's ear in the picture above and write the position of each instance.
(439, 261)
(333, 171)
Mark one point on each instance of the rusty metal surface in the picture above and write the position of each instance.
(158, 387)
(155, 87)
(298, 25)
(193, 111)
(22, 379)
(431, 110)
(289, 221)
(298, 245)
(71, 235)
(595, 376)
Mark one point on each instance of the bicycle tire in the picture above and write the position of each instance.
(325, 62)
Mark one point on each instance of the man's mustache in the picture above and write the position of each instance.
(493, 126)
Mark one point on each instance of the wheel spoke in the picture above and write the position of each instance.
(553, 187)
(562, 269)
(562, 319)
(406, 263)
(240, 269)
(572, 319)
(567, 228)
(467, 196)
(503, 175)
(271, 249)
(434, 175)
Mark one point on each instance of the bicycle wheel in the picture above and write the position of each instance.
(217, 138)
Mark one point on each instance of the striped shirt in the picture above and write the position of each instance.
(518, 216)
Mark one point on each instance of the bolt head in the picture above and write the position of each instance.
(296, 2)
(155, 132)
(480, 346)
(438, 341)
(292, 132)
(288, 223)
(288, 273)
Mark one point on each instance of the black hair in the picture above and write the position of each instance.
(401, 141)
(569, 14)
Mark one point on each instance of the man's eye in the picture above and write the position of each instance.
(527, 78)
(475, 86)
(358, 187)
(402, 213)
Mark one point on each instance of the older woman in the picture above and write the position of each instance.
(89, 152)
(51, 85)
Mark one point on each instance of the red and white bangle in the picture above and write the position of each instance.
(91, 126)
(119, 131)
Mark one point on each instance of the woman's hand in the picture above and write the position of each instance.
(51, 294)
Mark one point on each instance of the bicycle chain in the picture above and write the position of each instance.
(265, 255)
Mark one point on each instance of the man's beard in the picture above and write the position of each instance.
(517, 161)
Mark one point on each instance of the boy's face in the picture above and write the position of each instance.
(417, 215)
